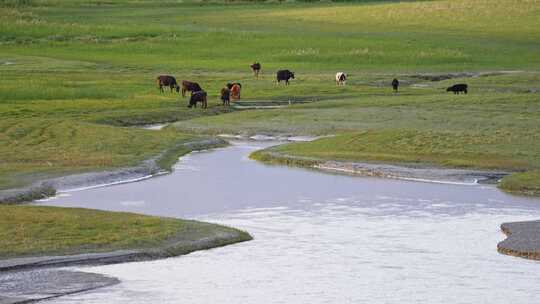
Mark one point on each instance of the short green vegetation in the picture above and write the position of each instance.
(524, 183)
(35, 230)
(74, 75)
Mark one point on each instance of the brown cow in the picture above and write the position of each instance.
(190, 86)
(167, 81)
(225, 96)
(235, 91)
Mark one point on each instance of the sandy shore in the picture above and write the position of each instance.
(523, 239)
(33, 286)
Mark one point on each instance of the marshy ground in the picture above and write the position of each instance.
(75, 74)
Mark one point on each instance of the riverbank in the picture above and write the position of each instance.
(155, 165)
(34, 236)
(34, 239)
(421, 173)
(410, 155)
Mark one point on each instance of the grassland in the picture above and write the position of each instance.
(73, 65)
(76, 74)
(36, 230)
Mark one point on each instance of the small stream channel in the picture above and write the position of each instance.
(319, 238)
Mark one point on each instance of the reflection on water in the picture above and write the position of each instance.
(320, 238)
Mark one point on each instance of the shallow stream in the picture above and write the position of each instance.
(319, 238)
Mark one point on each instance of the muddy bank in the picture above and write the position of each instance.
(37, 285)
(441, 77)
(220, 236)
(523, 239)
(414, 173)
(159, 164)
(30, 279)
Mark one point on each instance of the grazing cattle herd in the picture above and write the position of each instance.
(232, 89)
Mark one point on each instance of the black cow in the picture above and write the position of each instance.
(226, 96)
(167, 81)
(284, 75)
(395, 84)
(199, 96)
(190, 86)
(256, 68)
(457, 88)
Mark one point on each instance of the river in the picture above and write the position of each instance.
(319, 238)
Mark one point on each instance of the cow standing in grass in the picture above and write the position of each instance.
(457, 88)
(341, 78)
(235, 91)
(199, 96)
(167, 81)
(284, 75)
(190, 86)
(225, 96)
(256, 68)
(395, 85)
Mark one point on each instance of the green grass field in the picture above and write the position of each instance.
(34, 231)
(75, 74)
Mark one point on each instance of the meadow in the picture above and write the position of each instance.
(39, 230)
(76, 76)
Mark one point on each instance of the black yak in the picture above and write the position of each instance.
(395, 84)
(199, 96)
(457, 88)
(284, 75)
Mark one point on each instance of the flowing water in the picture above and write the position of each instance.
(319, 238)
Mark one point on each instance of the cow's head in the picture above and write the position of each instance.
(177, 88)
(449, 89)
(291, 74)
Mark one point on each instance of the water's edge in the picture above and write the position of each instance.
(146, 169)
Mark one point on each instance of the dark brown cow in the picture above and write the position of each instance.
(225, 96)
(167, 81)
(199, 96)
(256, 68)
(190, 86)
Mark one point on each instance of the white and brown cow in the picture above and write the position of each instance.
(341, 78)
